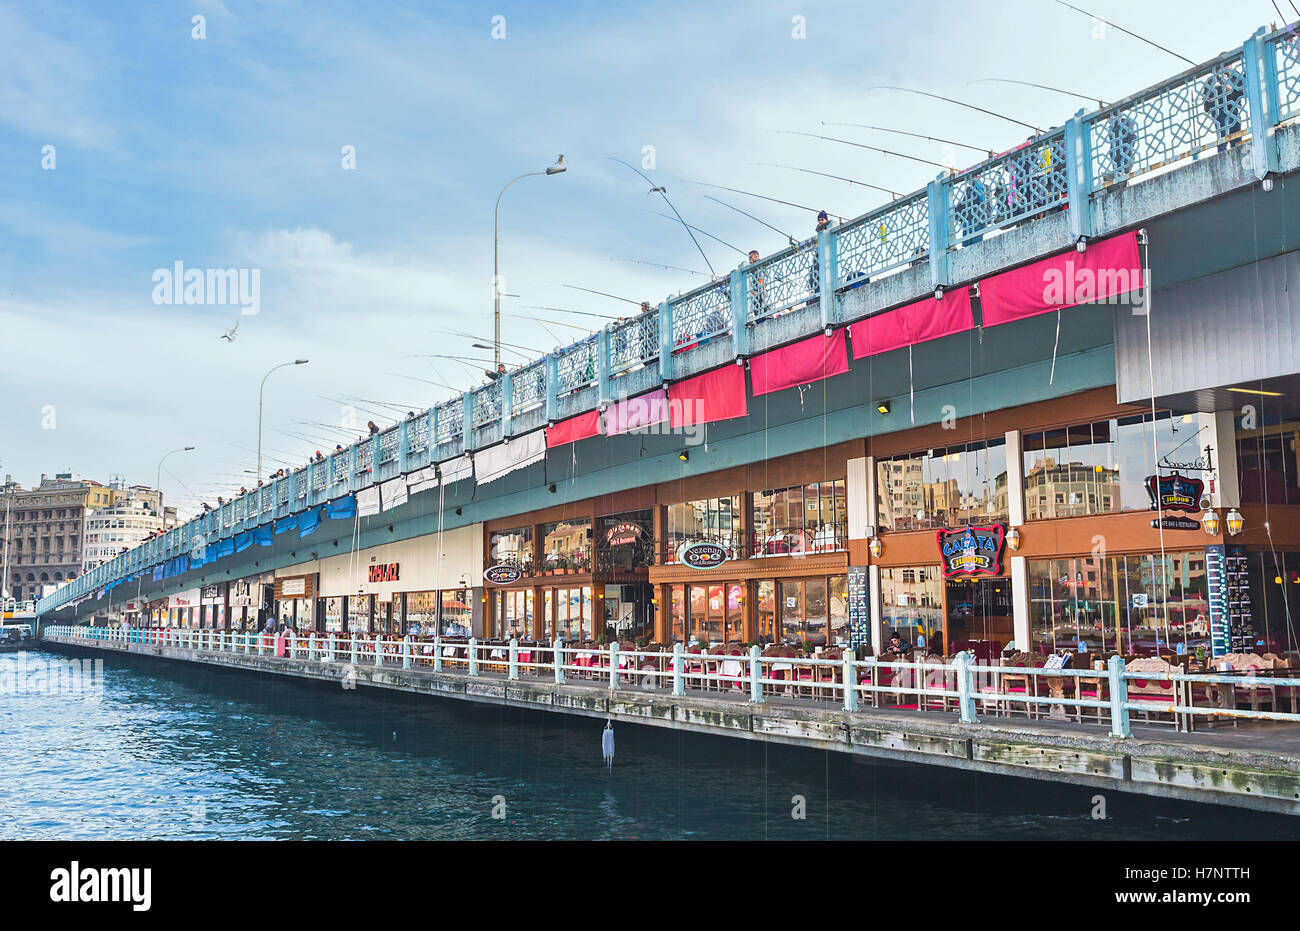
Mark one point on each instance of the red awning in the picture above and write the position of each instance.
(716, 395)
(573, 429)
(1107, 269)
(644, 410)
(801, 363)
(920, 322)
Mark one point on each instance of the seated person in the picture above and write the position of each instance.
(897, 646)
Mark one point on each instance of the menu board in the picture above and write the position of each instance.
(1232, 626)
(1216, 577)
(1241, 622)
(859, 607)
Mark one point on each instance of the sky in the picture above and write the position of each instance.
(351, 155)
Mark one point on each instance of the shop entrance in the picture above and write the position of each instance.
(977, 611)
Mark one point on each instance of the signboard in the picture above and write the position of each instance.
(243, 593)
(972, 551)
(702, 555)
(502, 574)
(624, 533)
(1175, 523)
(384, 572)
(1140, 599)
(214, 594)
(186, 599)
(1174, 493)
(295, 586)
(859, 607)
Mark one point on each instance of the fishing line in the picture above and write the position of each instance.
(794, 242)
(1051, 378)
(901, 132)
(663, 192)
(861, 145)
(969, 106)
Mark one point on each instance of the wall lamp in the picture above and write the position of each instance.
(876, 547)
(684, 455)
(1235, 522)
(883, 407)
(1210, 523)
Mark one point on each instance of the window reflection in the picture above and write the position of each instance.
(943, 487)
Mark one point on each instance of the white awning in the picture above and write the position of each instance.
(394, 492)
(368, 501)
(422, 480)
(496, 461)
(453, 470)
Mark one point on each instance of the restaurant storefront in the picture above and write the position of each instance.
(183, 608)
(249, 602)
(295, 601)
(213, 598)
(419, 586)
(586, 580)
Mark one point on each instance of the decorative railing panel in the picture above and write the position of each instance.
(785, 280)
(487, 404)
(1286, 61)
(634, 342)
(893, 237)
(1206, 108)
(1025, 182)
(702, 314)
(576, 366)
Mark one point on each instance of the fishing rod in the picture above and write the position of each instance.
(736, 190)
(487, 339)
(565, 310)
(662, 191)
(1126, 32)
(1046, 87)
(860, 145)
(426, 381)
(823, 174)
(968, 106)
(571, 326)
(698, 230)
(604, 293)
(900, 132)
(689, 271)
(794, 242)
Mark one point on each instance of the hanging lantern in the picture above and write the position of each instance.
(1013, 538)
(1235, 522)
(875, 547)
(1210, 521)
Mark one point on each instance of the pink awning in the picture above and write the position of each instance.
(1107, 269)
(919, 322)
(802, 363)
(644, 410)
(716, 395)
(573, 429)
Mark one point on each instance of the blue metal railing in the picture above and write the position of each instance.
(1209, 109)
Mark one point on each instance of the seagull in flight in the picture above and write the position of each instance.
(229, 335)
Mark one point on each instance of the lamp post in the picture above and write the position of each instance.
(555, 169)
(158, 479)
(260, 392)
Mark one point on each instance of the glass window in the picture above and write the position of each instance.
(1268, 461)
(911, 602)
(943, 487)
(566, 545)
(709, 520)
(626, 541)
(809, 518)
(359, 613)
(334, 614)
(422, 609)
(513, 548)
(1141, 604)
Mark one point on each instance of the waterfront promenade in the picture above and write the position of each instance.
(955, 715)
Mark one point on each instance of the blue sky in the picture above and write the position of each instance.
(225, 152)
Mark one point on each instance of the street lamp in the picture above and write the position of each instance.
(1235, 522)
(260, 392)
(158, 480)
(558, 168)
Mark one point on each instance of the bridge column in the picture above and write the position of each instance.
(939, 195)
(603, 395)
(739, 285)
(665, 341)
(467, 419)
(1078, 175)
(828, 273)
(1261, 94)
(552, 387)
(507, 380)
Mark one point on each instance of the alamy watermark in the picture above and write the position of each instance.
(1071, 285)
(217, 286)
(27, 674)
